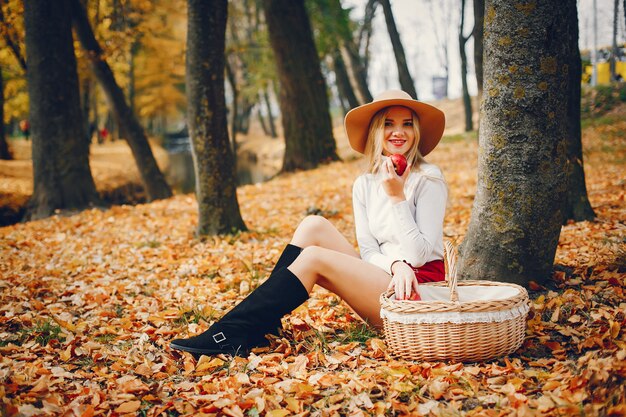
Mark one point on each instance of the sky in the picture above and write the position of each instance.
(424, 25)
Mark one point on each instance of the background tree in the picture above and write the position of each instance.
(577, 206)
(11, 75)
(406, 81)
(62, 178)
(355, 64)
(467, 101)
(5, 153)
(614, 50)
(516, 217)
(479, 21)
(331, 30)
(151, 176)
(216, 187)
(304, 105)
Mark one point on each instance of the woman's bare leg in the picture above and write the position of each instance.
(357, 282)
(330, 261)
(318, 231)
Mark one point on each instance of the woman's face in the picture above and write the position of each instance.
(399, 135)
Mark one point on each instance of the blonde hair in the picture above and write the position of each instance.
(375, 137)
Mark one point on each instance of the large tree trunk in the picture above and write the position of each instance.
(304, 105)
(406, 81)
(467, 101)
(151, 176)
(577, 206)
(516, 218)
(60, 154)
(216, 185)
(5, 153)
(479, 21)
(343, 80)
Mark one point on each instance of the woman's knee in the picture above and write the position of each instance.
(311, 230)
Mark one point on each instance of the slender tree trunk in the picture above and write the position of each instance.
(306, 120)
(61, 173)
(614, 50)
(577, 206)
(151, 176)
(406, 81)
(86, 102)
(343, 80)
(365, 35)
(516, 218)
(216, 185)
(359, 71)
(270, 114)
(134, 48)
(5, 153)
(467, 101)
(479, 21)
(259, 113)
(234, 108)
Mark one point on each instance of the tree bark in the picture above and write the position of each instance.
(151, 176)
(479, 21)
(577, 206)
(614, 50)
(406, 81)
(216, 185)
(5, 153)
(343, 80)
(61, 174)
(304, 105)
(467, 101)
(517, 212)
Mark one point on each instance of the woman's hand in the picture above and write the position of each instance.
(393, 184)
(403, 280)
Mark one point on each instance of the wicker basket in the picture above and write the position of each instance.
(469, 321)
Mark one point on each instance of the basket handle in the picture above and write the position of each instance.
(450, 257)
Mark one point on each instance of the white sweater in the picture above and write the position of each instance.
(411, 230)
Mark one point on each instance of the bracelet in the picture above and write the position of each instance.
(394, 262)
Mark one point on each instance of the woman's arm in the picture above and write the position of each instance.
(369, 246)
(418, 235)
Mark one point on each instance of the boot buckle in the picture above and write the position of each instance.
(219, 337)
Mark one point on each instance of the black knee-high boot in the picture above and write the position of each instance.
(239, 330)
(290, 253)
(249, 336)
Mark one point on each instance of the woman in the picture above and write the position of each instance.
(399, 229)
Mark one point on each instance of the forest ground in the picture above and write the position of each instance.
(90, 301)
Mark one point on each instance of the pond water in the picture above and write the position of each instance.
(180, 173)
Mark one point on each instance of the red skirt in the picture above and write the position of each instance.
(430, 272)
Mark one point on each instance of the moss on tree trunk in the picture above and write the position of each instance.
(516, 217)
(216, 186)
(60, 154)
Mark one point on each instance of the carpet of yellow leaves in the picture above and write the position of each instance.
(89, 303)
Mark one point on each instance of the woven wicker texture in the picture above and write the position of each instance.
(462, 342)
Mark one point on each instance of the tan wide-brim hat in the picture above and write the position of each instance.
(432, 121)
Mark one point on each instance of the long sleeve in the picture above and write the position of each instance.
(369, 246)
